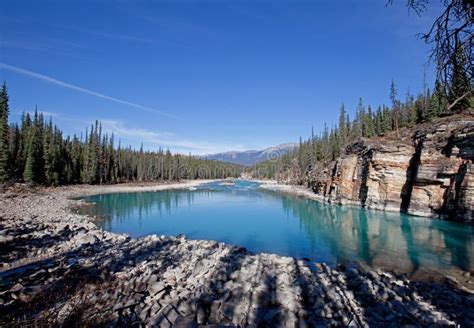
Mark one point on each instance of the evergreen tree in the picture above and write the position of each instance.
(342, 125)
(395, 107)
(386, 120)
(418, 109)
(460, 90)
(378, 121)
(438, 102)
(408, 113)
(92, 155)
(348, 127)
(25, 130)
(14, 152)
(4, 140)
(49, 155)
(369, 129)
(360, 114)
(33, 166)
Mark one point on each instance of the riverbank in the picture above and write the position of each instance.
(59, 268)
(301, 191)
(289, 189)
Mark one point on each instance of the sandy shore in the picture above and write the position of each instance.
(58, 268)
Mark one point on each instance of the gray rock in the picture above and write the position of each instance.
(88, 239)
(156, 288)
(183, 322)
(201, 315)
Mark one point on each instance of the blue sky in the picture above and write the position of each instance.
(207, 76)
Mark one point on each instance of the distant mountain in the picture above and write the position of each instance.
(251, 157)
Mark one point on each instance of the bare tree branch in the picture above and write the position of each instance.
(451, 38)
(458, 100)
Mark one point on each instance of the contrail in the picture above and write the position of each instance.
(83, 90)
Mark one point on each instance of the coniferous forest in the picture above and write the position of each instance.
(37, 152)
(368, 122)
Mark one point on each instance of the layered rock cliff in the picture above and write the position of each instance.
(426, 170)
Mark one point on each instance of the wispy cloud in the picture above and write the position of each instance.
(63, 84)
(119, 127)
(163, 139)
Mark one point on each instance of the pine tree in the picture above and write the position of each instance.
(359, 120)
(14, 152)
(49, 155)
(369, 129)
(460, 90)
(342, 125)
(417, 112)
(438, 102)
(409, 115)
(91, 169)
(4, 142)
(25, 130)
(386, 120)
(33, 166)
(395, 107)
(348, 127)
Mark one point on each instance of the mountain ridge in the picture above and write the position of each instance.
(251, 157)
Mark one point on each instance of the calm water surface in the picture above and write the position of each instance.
(266, 221)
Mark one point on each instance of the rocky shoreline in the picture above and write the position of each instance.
(59, 269)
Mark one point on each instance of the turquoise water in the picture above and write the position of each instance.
(267, 221)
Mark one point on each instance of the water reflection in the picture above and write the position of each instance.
(271, 222)
(384, 239)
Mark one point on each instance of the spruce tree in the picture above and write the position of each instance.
(348, 127)
(25, 129)
(14, 151)
(34, 167)
(369, 129)
(395, 107)
(460, 89)
(49, 154)
(342, 125)
(438, 102)
(408, 113)
(359, 120)
(4, 142)
(386, 120)
(417, 111)
(378, 121)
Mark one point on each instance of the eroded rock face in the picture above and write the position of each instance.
(425, 171)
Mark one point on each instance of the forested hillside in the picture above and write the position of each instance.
(36, 152)
(450, 38)
(318, 150)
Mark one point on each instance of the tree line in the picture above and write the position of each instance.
(367, 123)
(35, 151)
